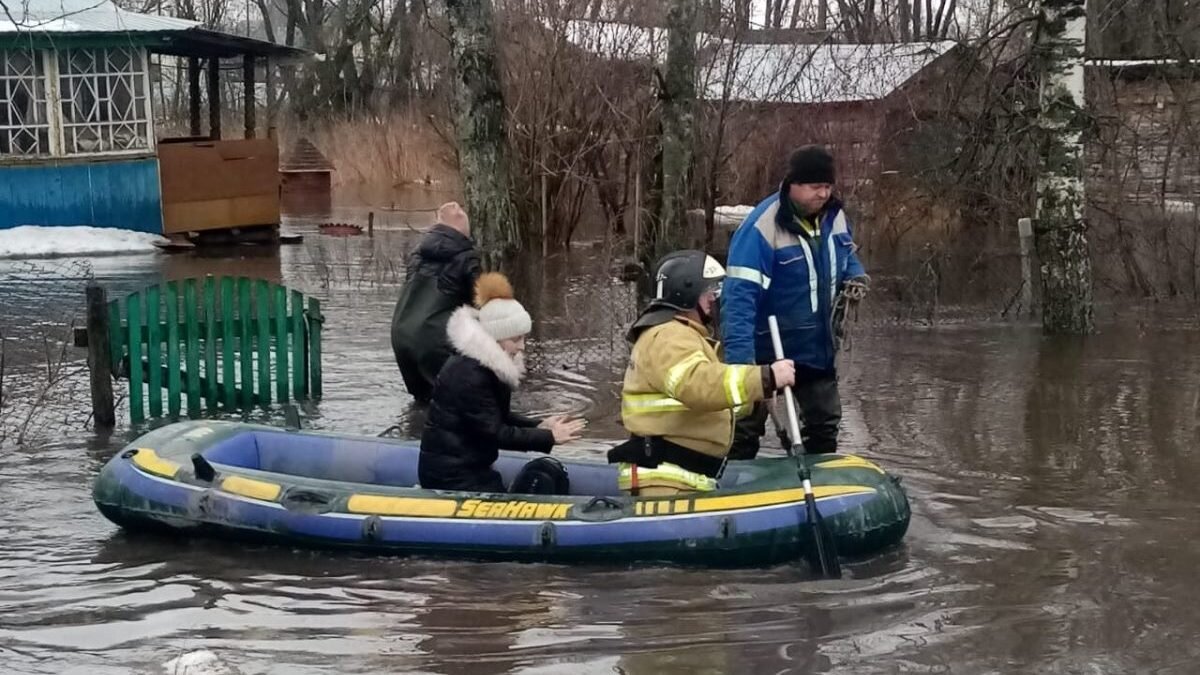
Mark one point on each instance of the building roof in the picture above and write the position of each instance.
(769, 72)
(1137, 63)
(615, 40)
(41, 19)
(816, 73)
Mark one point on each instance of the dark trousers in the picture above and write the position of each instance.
(820, 411)
(420, 370)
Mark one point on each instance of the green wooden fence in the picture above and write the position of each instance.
(220, 343)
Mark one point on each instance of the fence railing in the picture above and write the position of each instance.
(212, 344)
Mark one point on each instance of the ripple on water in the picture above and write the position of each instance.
(1022, 556)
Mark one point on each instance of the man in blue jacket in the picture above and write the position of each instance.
(791, 257)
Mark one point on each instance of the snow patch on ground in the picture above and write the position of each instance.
(31, 241)
(739, 211)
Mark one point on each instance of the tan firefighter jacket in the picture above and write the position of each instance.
(677, 387)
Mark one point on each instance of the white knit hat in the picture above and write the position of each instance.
(499, 313)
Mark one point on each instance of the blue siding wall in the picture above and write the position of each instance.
(120, 193)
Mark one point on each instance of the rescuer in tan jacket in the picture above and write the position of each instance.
(679, 402)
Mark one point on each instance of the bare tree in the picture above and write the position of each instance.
(678, 113)
(1061, 231)
(479, 120)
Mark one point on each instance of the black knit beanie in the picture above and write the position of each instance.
(810, 164)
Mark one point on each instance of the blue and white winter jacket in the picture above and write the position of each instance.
(775, 268)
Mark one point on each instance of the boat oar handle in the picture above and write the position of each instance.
(788, 395)
(823, 553)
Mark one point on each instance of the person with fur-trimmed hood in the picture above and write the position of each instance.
(470, 417)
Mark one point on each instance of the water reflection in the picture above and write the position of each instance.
(1052, 484)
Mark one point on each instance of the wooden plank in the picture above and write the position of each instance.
(281, 344)
(104, 414)
(315, 321)
(262, 306)
(299, 371)
(154, 350)
(210, 342)
(215, 185)
(245, 344)
(228, 376)
(137, 411)
(171, 298)
(192, 335)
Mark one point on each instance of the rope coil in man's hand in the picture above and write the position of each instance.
(852, 293)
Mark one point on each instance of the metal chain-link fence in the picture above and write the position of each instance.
(580, 325)
(43, 378)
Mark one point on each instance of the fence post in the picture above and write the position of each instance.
(299, 366)
(99, 358)
(174, 362)
(245, 343)
(1025, 229)
(279, 307)
(133, 338)
(315, 319)
(262, 306)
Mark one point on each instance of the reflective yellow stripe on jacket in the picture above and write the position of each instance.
(649, 404)
(677, 372)
(664, 475)
(735, 384)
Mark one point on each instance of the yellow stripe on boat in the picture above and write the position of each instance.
(772, 497)
(401, 506)
(147, 459)
(848, 462)
(248, 487)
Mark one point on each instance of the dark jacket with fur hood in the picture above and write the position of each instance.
(471, 418)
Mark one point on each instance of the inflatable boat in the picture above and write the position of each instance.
(264, 484)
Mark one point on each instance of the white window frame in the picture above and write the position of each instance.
(57, 121)
(48, 149)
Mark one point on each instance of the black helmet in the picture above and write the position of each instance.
(684, 276)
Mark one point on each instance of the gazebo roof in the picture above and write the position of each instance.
(48, 22)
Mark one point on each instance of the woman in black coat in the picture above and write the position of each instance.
(470, 417)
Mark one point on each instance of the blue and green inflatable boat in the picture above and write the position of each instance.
(263, 484)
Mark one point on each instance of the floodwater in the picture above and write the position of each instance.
(1053, 483)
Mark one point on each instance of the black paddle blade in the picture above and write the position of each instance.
(822, 556)
(203, 470)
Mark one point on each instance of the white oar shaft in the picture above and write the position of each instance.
(789, 397)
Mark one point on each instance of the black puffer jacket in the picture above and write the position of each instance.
(441, 278)
(471, 418)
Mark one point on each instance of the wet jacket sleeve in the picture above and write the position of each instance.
(747, 279)
(491, 425)
(679, 368)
